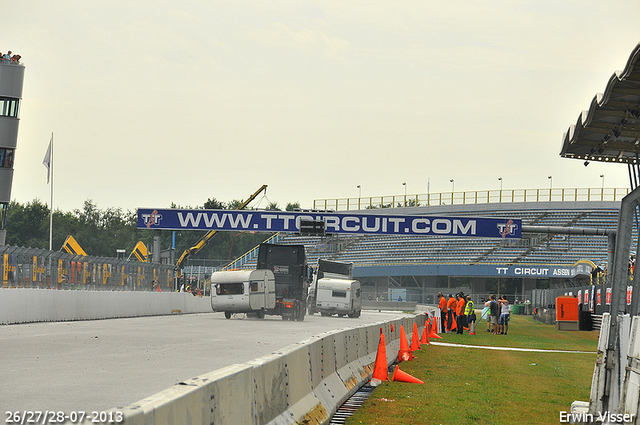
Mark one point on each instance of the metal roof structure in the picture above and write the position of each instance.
(609, 131)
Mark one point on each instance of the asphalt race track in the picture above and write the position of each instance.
(101, 364)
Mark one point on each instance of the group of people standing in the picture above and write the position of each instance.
(457, 313)
(9, 57)
(498, 318)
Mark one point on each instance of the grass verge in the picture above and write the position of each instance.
(472, 385)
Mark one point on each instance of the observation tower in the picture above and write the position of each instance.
(11, 78)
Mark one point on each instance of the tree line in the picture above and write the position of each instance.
(100, 232)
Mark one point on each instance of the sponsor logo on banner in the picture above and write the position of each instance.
(580, 296)
(598, 297)
(629, 293)
(508, 228)
(586, 296)
(608, 296)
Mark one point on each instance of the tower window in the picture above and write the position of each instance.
(9, 107)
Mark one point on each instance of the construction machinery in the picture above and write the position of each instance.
(207, 237)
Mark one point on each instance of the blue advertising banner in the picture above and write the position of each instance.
(334, 222)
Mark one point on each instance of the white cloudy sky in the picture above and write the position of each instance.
(158, 101)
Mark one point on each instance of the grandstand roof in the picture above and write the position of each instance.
(610, 130)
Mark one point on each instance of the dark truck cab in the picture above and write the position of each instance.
(289, 266)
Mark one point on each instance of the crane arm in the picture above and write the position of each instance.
(210, 234)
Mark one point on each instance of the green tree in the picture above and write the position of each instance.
(28, 225)
(292, 206)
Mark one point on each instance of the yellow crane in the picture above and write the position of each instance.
(207, 237)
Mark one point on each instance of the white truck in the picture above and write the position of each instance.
(243, 291)
(338, 296)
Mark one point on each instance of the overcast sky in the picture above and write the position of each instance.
(156, 102)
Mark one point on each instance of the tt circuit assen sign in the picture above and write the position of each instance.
(334, 222)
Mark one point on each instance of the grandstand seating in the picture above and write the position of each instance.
(372, 250)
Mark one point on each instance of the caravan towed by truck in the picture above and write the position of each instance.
(334, 291)
(243, 291)
(278, 287)
(338, 296)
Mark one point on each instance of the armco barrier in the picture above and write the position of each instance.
(304, 383)
(44, 305)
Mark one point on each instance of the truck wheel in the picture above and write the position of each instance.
(323, 314)
(260, 314)
(227, 314)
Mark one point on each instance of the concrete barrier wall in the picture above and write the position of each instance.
(303, 383)
(44, 305)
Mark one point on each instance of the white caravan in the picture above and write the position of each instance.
(243, 291)
(338, 296)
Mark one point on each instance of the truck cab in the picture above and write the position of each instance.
(289, 266)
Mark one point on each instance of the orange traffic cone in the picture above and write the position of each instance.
(404, 354)
(415, 343)
(433, 333)
(401, 376)
(425, 333)
(472, 328)
(434, 330)
(380, 370)
(454, 325)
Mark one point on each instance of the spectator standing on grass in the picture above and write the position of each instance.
(503, 322)
(487, 305)
(451, 312)
(470, 313)
(442, 305)
(462, 319)
(494, 308)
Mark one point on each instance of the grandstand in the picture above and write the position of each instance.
(426, 265)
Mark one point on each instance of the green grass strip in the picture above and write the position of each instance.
(466, 385)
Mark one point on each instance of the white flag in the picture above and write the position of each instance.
(47, 159)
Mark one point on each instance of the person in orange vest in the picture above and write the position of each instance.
(442, 305)
(462, 319)
(451, 311)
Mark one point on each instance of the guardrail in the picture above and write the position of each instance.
(303, 383)
(473, 197)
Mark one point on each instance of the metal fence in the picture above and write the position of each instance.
(596, 298)
(39, 268)
(473, 197)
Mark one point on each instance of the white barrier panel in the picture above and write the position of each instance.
(46, 305)
(203, 400)
(301, 400)
(331, 391)
(271, 391)
(599, 373)
(631, 387)
(597, 400)
(303, 383)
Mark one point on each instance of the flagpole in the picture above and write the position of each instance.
(51, 203)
